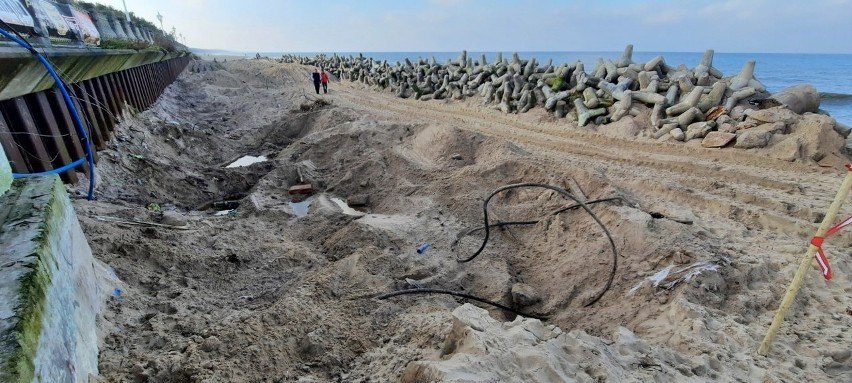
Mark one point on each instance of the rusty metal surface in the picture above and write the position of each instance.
(27, 137)
(51, 136)
(66, 124)
(37, 131)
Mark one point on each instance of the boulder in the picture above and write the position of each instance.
(725, 119)
(677, 133)
(728, 128)
(717, 139)
(752, 138)
(799, 98)
(842, 129)
(698, 130)
(817, 137)
(777, 114)
(524, 295)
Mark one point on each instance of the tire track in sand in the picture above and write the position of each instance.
(754, 189)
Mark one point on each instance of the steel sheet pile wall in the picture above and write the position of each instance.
(37, 131)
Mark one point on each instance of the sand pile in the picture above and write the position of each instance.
(244, 289)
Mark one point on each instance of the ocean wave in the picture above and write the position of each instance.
(828, 96)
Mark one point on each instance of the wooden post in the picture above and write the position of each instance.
(805, 265)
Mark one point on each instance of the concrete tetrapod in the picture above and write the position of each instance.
(738, 96)
(746, 79)
(622, 107)
(585, 114)
(626, 57)
(590, 99)
(714, 98)
(688, 102)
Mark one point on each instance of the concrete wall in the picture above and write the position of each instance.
(21, 73)
(49, 289)
(5, 173)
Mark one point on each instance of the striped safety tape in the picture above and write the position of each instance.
(820, 254)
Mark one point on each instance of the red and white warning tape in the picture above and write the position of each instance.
(818, 241)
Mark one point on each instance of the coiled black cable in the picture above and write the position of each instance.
(564, 193)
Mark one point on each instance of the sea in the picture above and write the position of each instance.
(831, 74)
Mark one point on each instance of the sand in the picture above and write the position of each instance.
(258, 294)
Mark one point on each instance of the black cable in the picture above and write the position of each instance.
(532, 222)
(460, 295)
(564, 193)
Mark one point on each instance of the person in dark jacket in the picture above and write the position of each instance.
(324, 81)
(316, 77)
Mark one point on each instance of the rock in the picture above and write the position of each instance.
(358, 200)
(717, 139)
(799, 98)
(778, 114)
(301, 189)
(457, 157)
(725, 119)
(524, 295)
(774, 128)
(842, 129)
(752, 138)
(698, 130)
(728, 128)
(788, 150)
(678, 134)
(714, 113)
(817, 137)
(173, 218)
(211, 344)
(738, 112)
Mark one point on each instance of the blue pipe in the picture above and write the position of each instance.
(54, 171)
(74, 114)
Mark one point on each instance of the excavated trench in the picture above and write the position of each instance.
(267, 293)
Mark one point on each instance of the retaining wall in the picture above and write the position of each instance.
(49, 289)
(37, 131)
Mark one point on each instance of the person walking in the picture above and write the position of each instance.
(324, 80)
(316, 77)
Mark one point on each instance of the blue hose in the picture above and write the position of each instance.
(54, 171)
(76, 116)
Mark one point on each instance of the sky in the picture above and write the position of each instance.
(752, 26)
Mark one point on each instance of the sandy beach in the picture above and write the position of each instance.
(236, 283)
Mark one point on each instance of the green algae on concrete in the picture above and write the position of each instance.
(5, 173)
(44, 261)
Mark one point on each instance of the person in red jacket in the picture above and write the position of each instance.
(324, 80)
